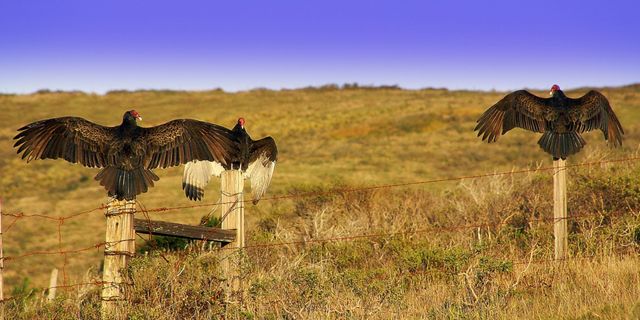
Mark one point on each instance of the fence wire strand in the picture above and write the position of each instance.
(589, 257)
(21, 215)
(396, 185)
(60, 220)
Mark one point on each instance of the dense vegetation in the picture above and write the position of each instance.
(462, 249)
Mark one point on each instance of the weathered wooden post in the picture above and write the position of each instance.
(561, 243)
(119, 248)
(1, 267)
(232, 205)
(53, 283)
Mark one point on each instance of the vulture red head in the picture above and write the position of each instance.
(241, 122)
(554, 88)
(135, 114)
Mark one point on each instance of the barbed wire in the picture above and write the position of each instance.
(396, 185)
(63, 252)
(21, 215)
(60, 220)
(430, 229)
(412, 273)
(75, 285)
(417, 231)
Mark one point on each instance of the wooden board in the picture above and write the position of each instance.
(183, 231)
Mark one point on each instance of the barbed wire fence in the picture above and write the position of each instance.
(17, 216)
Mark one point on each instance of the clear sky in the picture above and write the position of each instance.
(236, 45)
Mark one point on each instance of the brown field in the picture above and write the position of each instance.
(330, 139)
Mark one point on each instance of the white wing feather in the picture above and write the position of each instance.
(198, 173)
(196, 176)
(260, 173)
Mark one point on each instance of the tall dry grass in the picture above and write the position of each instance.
(430, 263)
(331, 138)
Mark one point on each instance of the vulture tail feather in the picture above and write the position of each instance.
(561, 145)
(125, 184)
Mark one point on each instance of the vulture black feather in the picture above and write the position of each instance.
(559, 118)
(255, 158)
(126, 153)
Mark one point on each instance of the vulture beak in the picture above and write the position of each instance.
(135, 114)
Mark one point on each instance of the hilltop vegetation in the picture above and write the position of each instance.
(334, 138)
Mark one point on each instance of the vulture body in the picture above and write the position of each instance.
(559, 118)
(126, 153)
(255, 158)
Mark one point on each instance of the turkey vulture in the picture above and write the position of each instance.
(126, 153)
(256, 159)
(561, 119)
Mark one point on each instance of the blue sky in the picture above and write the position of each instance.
(237, 45)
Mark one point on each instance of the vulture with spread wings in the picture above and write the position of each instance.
(126, 153)
(559, 118)
(257, 160)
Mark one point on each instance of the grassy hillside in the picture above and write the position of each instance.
(331, 138)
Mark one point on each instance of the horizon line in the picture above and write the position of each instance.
(328, 86)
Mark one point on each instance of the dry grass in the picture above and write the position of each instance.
(502, 270)
(345, 138)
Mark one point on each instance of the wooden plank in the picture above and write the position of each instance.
(232, 215)
(119, 248)
(561, 243)
(183, 231)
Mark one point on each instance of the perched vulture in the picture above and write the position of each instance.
(126, 153)
(256, 159)
(561, 119)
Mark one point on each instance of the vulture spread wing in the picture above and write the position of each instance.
(261, 163)
(592, 111)
(264, 154)
(518, 109)
(181, 141)
(126, 153)
(197, 175)
(71, 138)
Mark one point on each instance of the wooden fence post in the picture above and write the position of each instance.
(232, 205)
(53, 283)
(560, 209)
(119, 248)
(1, 267)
